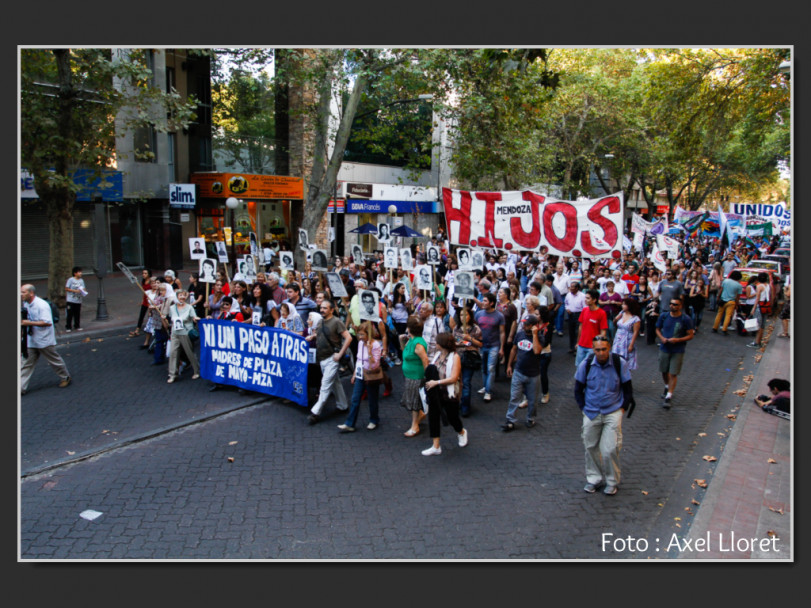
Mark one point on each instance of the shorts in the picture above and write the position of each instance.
(785, 313)
(670, 363)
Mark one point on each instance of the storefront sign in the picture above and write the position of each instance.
(182, 196)
(361, 190)
(527, 220)
(365, 206)
(247, 185)
(263, 359)
(109, 186)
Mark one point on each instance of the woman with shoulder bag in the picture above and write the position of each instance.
(415, 360)
(367, 377)
(468, 337)
(442, 387)
(183, 319)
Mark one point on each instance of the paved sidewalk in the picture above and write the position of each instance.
(750, 494)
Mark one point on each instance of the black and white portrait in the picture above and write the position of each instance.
(463, 285)
(222, 252)
(336, 285)
(319, 262)
(433, 254)
(390, 258)
(423, 279)
(476, 259)
(357, 254)
(406, 261)
(197, 248)
(249, 271)
(463, 257)
(383, 232)
(286, 260)
(303, 239)
(207, 270)
(254, 245)
(369, 309)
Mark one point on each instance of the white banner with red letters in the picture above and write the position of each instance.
(526, 220)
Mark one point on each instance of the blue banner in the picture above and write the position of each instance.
(263, 359)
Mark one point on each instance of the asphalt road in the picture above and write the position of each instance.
(178, 472)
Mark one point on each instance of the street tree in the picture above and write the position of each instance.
(73, 104)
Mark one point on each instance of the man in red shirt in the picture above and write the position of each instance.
(593, 323)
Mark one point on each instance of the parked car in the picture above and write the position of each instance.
(786, 251)
(774, 292)
(772, 263)
(785, 261)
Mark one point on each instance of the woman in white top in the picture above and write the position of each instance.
(183, 318)
(443, 388)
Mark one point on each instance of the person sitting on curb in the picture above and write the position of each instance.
(779, 403)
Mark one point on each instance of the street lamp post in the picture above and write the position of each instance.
(232, 203)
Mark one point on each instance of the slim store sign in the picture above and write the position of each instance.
(182, 196)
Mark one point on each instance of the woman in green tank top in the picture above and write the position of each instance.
(415, 360)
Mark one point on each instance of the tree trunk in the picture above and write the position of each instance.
(59, 206)
(325, 171)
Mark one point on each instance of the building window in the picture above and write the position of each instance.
(145, 146)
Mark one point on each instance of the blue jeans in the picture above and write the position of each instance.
(559, 319)
(467, 378)
(357, 393)
(522, 385)
(582, 353)
(160, 345)
(489, 360)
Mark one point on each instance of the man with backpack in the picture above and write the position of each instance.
(603, 390)
(41, 339)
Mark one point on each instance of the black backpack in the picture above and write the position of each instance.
(54, 311)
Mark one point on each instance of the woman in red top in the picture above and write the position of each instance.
(146, 280)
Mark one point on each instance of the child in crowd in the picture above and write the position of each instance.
(74, 293)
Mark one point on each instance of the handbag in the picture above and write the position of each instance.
(373, 377)
(751, 324)
(194, 334)
(471, 359)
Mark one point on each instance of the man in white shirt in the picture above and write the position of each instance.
(561, 283)
(574, 303)
(41, 339)
(620, 286)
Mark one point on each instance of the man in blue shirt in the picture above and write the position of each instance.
(731, 290)
(602, 395)
(674, 329)
(492, 324)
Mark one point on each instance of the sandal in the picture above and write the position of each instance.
(135, 332)
(411, 433)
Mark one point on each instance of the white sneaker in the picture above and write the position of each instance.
(371, 426)
(481, 391)
(432, 451)
(545, 398)
(523, 404)
(345, 428)
(487, 397)
(463, 438)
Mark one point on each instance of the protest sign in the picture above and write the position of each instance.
(526, 221)
(668, 245)
(197, 248)
(263, 359)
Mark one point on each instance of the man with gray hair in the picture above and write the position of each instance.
(41, 339)
(431, 326)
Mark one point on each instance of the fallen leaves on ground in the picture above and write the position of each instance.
(778, 511)
(731, 416)
(741, 392)
(702, 434)
(701, 482)
(709, 458)
(230, 459)
(695, 502)
(771, 461)
(771, 533)
(645, 492)
(232, 442)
